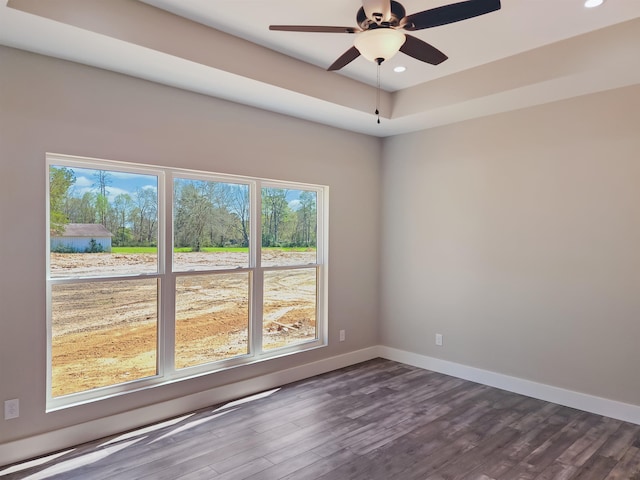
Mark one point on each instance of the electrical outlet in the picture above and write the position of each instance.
(11, 409)
(439, 339)
(342, 335)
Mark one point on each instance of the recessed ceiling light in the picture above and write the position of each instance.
(399, 69)
(593, 3)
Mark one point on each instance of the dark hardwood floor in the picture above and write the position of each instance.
(376, 420)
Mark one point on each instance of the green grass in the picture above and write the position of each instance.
(214, 249)
(291, 249)
(206, 249)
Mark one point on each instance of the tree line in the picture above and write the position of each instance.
(205, 213)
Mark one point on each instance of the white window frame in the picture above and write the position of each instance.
(166, 278)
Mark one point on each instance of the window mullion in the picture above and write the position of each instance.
(257, 278)
(167, 291)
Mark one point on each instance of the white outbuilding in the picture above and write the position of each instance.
(82, 237)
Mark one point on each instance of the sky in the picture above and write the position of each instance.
(128, 183)
(117, 183)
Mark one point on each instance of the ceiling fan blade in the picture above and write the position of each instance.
(346, 58)
(416, 48)
(377, 10)
(313, 28)
(449, 14)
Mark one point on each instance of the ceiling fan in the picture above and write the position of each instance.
(379, 35)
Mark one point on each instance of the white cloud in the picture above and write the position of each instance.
(127, 175)
(83, 182)
(294, 204)
(113, 192)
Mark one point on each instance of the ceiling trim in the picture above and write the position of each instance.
(198, 58)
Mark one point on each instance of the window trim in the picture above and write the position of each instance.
(166, 373)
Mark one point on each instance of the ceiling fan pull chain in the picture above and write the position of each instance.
(377, 112)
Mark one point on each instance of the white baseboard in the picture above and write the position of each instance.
(581, 401)
(45, 443)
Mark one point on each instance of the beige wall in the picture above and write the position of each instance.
(49, 105)
(517, 237)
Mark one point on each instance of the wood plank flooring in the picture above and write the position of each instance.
(376, 420)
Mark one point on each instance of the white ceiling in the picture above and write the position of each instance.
(519, 26)
(529, 52)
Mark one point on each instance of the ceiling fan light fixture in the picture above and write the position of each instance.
(379, 43)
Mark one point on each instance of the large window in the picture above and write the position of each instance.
(156, 274)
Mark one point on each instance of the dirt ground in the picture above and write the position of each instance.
(107, 333)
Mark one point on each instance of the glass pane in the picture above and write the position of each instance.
(289, 226)
(289, 308)
(210, 225)
(103, 333)
(212, 318)
(102, 222)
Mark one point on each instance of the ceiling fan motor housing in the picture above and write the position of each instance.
(378, 19)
